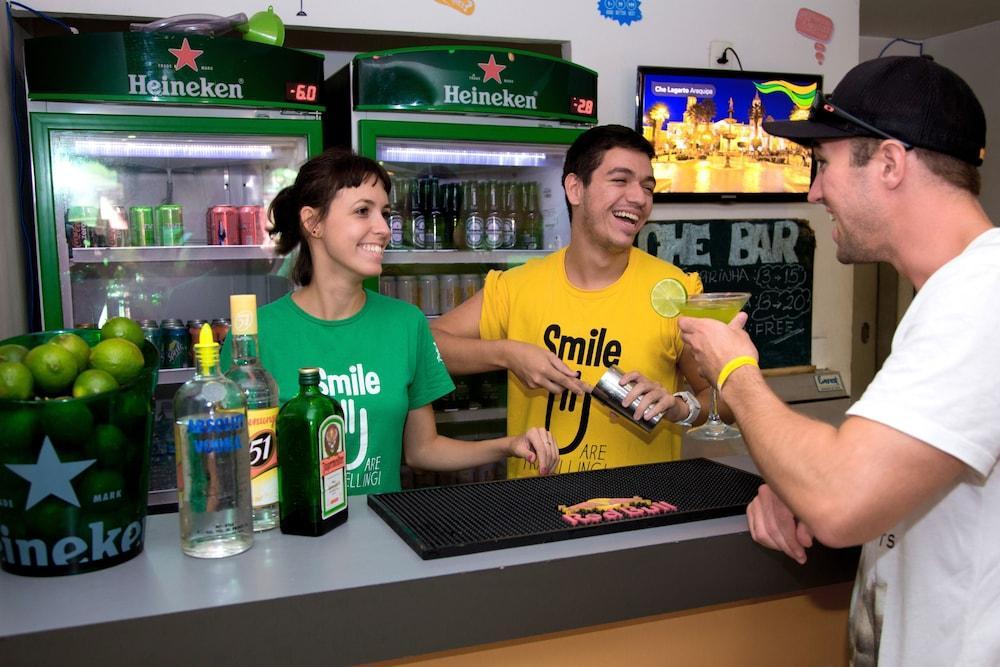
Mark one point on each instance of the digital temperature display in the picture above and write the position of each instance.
(301, 92)
(582, 106)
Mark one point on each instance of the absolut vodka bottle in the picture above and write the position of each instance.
(213, 459)
(261, 394)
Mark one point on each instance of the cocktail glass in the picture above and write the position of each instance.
(721, 306)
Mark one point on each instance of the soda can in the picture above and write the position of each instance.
(469, 284)
(251, 225)
(406, 289)
(429, 295)
(222, 225)
(387, 285)
(141, 226)
(81, 222)
(176, 344)
(451, 293)
(610, 393)
(118, 233)
(170, 220)
(194, 332)
(151, 331)
(220, 329)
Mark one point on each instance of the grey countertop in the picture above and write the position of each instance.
(365, 580)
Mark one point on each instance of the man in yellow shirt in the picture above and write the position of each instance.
(556, 323)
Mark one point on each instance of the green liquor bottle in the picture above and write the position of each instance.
(312, 461)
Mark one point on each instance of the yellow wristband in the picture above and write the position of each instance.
(733, 364)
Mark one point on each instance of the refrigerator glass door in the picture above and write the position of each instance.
(165, 225)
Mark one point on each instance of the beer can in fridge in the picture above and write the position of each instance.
(406, 289)
(151, 331)
(251, 225)
(141, 226)
(387, 285)
(176, 343)
(220, 329)
(609, 392)
(429, 295)
(81, 223)
(170, 220)
(469, 284)
(194, 334)
(118, 234)
(222, 225)
(451, 294)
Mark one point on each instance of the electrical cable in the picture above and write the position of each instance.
(33, 292)
(901, 39)
(722, 60)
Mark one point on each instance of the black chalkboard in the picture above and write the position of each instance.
(771, 259)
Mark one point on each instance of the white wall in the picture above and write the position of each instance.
(669, 33)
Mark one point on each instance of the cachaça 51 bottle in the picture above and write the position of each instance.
(213, 459)
(312, 472)
(261, 393)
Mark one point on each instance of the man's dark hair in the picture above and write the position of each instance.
(588, 150)
(959, 173)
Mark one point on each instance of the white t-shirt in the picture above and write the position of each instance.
(928, 590)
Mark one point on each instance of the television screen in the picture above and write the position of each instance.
(706, 127)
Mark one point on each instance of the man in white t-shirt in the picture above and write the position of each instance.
(911, 472)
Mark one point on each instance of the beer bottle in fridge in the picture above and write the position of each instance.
(261, 393)
(473, 224)
(509, 225)
(396, 218)
(530, 237)
(414, 229)
(452, 213)
(493, 228)
(312, 460)
(434, 221)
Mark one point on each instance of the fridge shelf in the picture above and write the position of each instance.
(462, 416)
(175, 375)
(461, 256)
(171, 254)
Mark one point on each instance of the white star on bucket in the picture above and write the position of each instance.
(49, 476)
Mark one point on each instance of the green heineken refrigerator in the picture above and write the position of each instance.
(474, 138)
(154, 157)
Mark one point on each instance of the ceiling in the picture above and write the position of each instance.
(920, 19)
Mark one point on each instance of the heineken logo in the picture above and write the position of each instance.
(486, 98)
(491, 70)
(166, 86)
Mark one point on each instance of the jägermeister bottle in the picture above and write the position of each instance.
(261, 393)
(312, 468)
(213, 459)
(493, 228)
(396, 219)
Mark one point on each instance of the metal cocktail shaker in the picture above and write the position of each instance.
(610, 393)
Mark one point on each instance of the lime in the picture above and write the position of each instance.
(666, 295)
(122, 327)
(53, 367)
(107, 446)
(53, 519)
(93, 381)
(76, 346)
(68, 423)
(102, 489)
(119, 357)
(18, 426)
(13, 352)
(16, 381)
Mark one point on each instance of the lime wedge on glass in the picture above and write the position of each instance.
(667, 296)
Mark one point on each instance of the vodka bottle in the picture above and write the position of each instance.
(261, 394)
(213, 459)
(312, 460)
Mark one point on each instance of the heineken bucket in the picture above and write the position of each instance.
(74, 473)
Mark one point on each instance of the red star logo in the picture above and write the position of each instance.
(491, 70)
(185, 56)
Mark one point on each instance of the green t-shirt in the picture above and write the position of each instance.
(379, 364)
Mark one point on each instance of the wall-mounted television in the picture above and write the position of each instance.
(706, 127)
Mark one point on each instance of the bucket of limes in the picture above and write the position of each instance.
(75, 425)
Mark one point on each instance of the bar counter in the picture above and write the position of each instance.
(360, 594)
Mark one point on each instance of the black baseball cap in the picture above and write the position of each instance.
(909, 98)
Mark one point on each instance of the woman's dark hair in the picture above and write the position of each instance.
(318, 182)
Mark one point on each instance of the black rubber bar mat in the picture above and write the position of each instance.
(468, 518)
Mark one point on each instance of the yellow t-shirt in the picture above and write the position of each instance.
(589, 330)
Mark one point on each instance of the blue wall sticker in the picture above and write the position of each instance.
(625, 12)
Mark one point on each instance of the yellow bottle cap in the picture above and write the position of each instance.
(243, 311)
(206, 350)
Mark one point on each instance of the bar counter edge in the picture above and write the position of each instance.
(360, 594)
